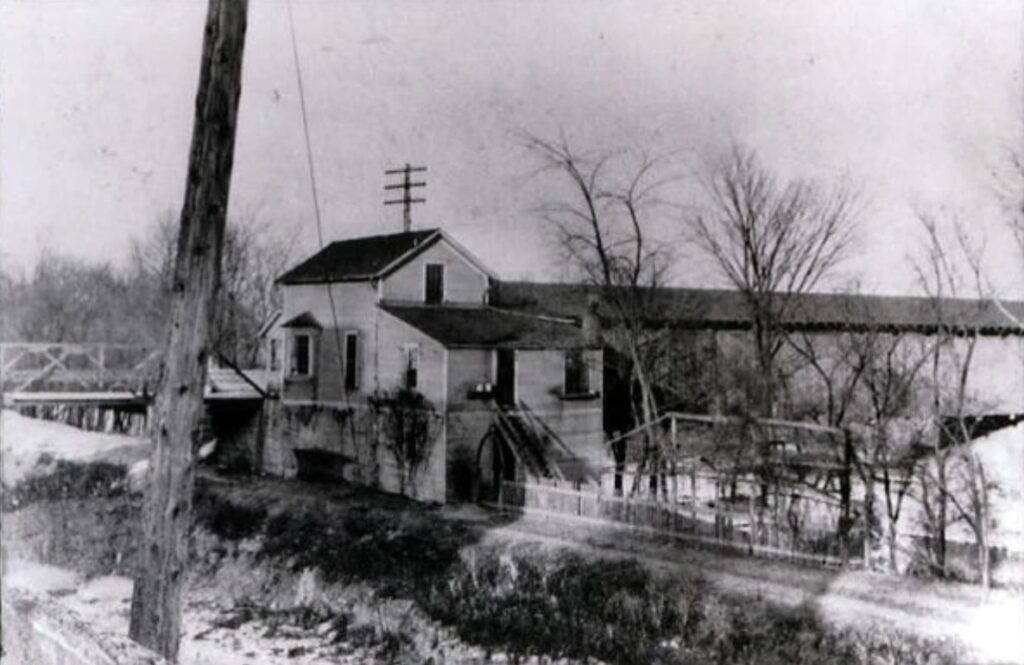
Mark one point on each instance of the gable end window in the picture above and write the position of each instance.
(351, 361)
(434, 283)
(577, 378)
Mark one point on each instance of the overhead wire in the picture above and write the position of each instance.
(316, 199)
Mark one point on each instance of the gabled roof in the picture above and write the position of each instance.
(726, 309)
(304, 320)
(360, 259)
(487, 327)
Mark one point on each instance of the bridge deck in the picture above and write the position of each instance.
(96, 398)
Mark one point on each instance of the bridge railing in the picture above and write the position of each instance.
(39, 366)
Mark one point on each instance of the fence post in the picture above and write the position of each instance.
(844, 497)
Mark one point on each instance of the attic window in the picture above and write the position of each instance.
(434, 284)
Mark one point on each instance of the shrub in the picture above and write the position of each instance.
(528, 603)
(225, 518)
(69, 480)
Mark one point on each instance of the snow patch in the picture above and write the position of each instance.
(26, 442)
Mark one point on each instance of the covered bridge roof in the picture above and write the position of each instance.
(727, 309)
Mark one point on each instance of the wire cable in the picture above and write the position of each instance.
(316, 201)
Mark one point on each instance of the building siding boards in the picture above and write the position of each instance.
(466, 369)
(355, 305)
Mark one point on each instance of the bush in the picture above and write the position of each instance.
(69, 480)
(527, 603)
(370, 545)
(225, 518)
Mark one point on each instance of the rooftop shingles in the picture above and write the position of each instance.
(487, 327)
(359, 258)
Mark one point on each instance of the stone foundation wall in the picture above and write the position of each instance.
(348, 434)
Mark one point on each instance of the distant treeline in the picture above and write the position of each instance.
(66, 299)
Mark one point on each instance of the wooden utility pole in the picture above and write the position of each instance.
(167, 513)
(406, 186)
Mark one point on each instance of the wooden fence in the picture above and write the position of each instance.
(780, 532)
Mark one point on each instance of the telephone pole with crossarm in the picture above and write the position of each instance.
(406, 186)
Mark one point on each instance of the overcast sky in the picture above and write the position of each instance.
(916, 102)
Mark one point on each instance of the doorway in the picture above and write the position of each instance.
(505, 378)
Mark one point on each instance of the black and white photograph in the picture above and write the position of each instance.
(512, 332)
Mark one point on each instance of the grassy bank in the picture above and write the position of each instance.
(525, 601)
(522, 600)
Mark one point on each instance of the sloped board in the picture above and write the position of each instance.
(577, 424)
(463, 282)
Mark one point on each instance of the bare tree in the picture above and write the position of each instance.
(1010, 190)
(955, 485)
(408, 426)
(890, 366)
(604, 234)
(773, 240)
(253, 257)
(69, 300)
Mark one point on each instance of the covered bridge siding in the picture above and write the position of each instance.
(713, 325)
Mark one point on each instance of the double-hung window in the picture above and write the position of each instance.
(301, 362)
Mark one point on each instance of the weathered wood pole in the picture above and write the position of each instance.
(167, 513)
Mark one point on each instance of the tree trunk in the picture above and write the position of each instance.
(167, 513)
